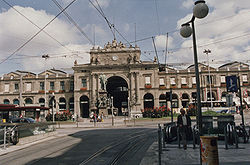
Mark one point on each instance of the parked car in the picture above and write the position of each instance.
(22, 120)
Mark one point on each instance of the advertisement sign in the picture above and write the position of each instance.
(231, 84)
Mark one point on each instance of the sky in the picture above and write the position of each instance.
(225, 31)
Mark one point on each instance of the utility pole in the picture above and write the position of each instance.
(209, 77)
(46, 56)
(21, 91)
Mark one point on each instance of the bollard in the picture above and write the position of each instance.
(159, 143)
(163, 137)
(225, 135)
(4, 138)
(178, 138)
(235, 138)
(194, 138)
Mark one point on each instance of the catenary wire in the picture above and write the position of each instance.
(72, 21)
(35, 24)
(36, 33)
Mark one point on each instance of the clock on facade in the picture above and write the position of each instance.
(114, 58)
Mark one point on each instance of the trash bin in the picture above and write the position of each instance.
(209, 150)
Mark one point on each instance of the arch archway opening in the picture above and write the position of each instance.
(117, 88)
(148, 101)
(84, 106)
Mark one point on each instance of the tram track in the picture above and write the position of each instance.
(133, 141)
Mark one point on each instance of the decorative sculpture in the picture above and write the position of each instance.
(103, 81)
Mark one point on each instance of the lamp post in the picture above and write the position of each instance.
(209, 77)
(200, 11)
(45, 57)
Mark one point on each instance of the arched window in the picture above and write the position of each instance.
(62, 103)
(16, 101)
(71, 104)
(209, 97)
(28, 101)
(162, 100)
(148, 101)
(6, 101)
(42, 102)
(185, 100)
(175, 103)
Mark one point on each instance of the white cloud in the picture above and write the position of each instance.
(220, 31)
(160, 41)
(126, 27)
(188, 4)
(16, 30)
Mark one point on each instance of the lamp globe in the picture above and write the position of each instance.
(200, 9)
(186, 30)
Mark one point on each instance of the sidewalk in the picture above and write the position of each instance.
(172, 155)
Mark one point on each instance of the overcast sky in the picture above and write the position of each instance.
(225, 31)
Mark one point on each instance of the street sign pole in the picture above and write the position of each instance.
(241, 107)
(172, 119)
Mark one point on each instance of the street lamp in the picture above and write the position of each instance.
(209, 77)
(200, 10)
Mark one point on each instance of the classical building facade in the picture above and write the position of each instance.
(116, 74)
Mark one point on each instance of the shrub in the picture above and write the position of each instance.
(156, 112)
(62, 116)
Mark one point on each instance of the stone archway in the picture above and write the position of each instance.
(117, 88)
(84, 106)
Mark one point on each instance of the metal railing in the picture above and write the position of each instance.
(11, 132)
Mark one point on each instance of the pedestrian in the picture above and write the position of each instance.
(184, 125)
(102, 116)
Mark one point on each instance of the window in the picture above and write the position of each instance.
(62, 87)
(193, 80)
(28, 101)
(71, 86)
(183, 80)
(244, 78)
(62, 103)
(84, 82)
(172, 81)
(16, 87)
(52, 85)
(147, 80)
(223, 79)
(6, 87)
(6, 101)
(41, 86)
(161, 81)
(28, 86)
(16, 101)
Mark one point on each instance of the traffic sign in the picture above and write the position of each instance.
(231, 84)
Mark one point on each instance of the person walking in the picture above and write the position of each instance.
(184, 124)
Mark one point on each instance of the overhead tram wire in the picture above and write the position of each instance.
(157, 15)
(100, 11)
(35, 25)
(37, 33)
(72, 21)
